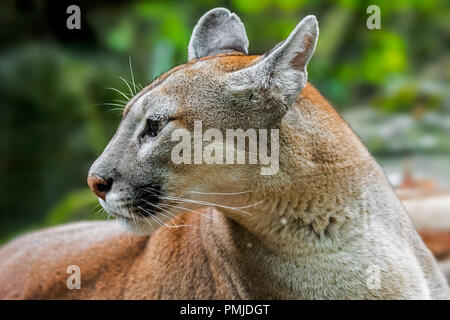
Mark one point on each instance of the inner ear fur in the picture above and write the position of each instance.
(281, 74)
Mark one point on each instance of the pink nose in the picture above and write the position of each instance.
(99, 186)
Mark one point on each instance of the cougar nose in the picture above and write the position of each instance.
(99, 186)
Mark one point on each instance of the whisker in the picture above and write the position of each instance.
(115, 109)
(156, 206)
(152, 189)
(98, 211)
(250, 205)
(157, 195)
(193, 211)
(220, 193)
(132, 76)
(132, 216)
(174, 224)
(208, 203)
(126, 82)
(123, 102)
(110, 104)
(149, 212)
(155, 192)
(150, 224)
(118, 91)
(202, 202)
(138, 85)
(162, 222)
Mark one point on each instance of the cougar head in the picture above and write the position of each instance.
(139, 177)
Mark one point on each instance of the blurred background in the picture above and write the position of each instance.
(57, 113)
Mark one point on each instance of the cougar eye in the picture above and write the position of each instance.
(153, 128)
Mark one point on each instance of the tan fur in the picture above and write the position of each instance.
(229, 62)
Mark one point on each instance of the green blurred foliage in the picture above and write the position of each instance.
(53, 128)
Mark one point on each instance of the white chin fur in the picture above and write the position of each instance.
(134, 224)
(139, 228)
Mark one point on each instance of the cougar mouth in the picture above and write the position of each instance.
(120, 212)
(141, 203)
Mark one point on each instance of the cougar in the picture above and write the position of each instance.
(325, 225)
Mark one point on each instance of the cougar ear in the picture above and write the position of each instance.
(280, 74)
(217, 31)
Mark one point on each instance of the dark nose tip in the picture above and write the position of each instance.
(99, 186)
